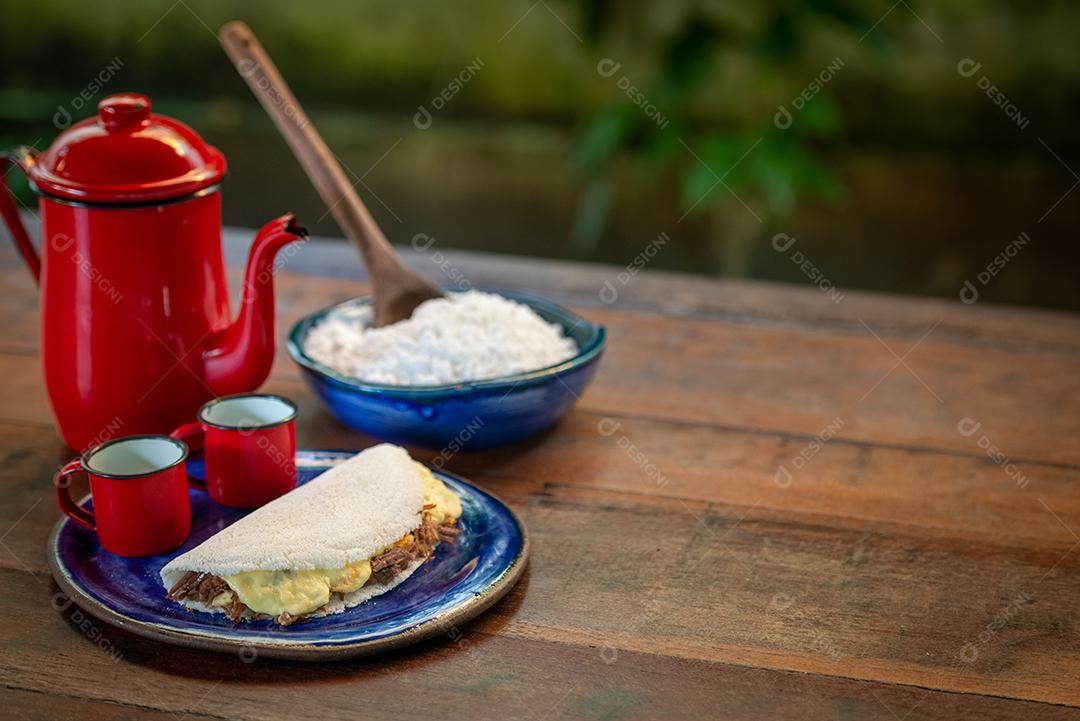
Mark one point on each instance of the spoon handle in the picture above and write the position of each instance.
(320, 164)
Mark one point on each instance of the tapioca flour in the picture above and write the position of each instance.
(461, 337)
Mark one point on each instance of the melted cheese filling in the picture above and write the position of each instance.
(295, 592)
(298, 592)
(447, 504)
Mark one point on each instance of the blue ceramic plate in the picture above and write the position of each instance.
(459, 582)
(470, 415)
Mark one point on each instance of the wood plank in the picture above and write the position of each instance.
(22, 395)
(960, 494)
(733, 375)
(736, 375)
(957, 495)
(469, 673)
(847, 478)
(899, 571)
(52, 704)
(19, 308)
(679, 294)
(741, 376)
(704, 297)
(718, 583)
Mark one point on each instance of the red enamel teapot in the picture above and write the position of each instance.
(136, 331)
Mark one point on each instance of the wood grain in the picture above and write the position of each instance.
(898, 572)
(479, 673)
(800, 381)
(788, 591)
(745, 302)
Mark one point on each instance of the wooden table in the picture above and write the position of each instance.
(768, 505)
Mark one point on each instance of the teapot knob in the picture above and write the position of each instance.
(124, 110)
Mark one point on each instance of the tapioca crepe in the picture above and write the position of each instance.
(352, 533)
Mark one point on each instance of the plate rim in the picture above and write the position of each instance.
(443, 622)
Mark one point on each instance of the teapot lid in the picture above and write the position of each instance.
(126, 155)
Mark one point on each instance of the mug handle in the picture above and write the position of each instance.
(63, 496)
(192, 435)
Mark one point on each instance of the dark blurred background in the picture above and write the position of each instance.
(902, 145)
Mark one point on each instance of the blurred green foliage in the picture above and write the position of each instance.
(719, 161)
(715, 70)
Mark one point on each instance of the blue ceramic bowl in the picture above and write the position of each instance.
(461, 416)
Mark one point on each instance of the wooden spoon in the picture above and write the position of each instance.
(397, 289)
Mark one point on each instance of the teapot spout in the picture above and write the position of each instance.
(238, 358)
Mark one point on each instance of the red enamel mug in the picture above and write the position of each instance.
(249, 447)
(139, 488)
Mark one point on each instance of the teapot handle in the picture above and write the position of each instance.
(22, 158)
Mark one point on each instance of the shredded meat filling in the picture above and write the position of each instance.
(201, 587)
(397, 559)
(205, 587)
(180, 588)
(447, 534)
